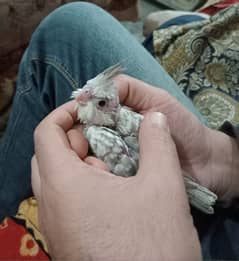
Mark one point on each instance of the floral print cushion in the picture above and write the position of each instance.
(20, 238)
(203, 58)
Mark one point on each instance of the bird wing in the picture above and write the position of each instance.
(107, 145)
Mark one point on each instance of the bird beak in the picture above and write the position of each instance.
(83, 98)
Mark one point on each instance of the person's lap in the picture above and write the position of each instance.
(72, 45)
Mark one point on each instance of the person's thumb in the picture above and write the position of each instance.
(158, 155)
(35, 178)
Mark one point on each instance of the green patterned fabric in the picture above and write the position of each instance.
(203, 58)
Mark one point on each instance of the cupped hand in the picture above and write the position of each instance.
(86, 213)
(209, 156)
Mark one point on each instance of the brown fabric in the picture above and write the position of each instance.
(120, 5)
(20, 18)
(121, 9)
(7, 90)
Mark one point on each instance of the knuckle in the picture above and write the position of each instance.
(164, 93)
(38, 133)
(158, 121)
(33, 161)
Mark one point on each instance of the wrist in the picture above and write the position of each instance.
(224, 157)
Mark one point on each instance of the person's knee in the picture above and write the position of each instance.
(70, 21)
(79, 13)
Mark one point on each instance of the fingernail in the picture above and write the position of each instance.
(160, 120)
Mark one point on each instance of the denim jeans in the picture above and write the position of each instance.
(70, 46)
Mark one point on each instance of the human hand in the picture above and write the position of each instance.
(209, 156)
(86, 213)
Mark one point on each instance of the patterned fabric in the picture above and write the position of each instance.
(203, 58)
(28, 215)
(19, 236)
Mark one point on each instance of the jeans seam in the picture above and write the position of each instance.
(60, 67)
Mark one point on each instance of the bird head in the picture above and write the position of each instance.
(97, 103)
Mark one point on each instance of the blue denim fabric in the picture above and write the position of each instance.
(182, 19)
(71, 45)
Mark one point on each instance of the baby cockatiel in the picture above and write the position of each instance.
(112, 132)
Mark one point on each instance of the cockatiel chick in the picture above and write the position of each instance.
(112, 132)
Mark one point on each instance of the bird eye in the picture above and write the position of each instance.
(102, 103)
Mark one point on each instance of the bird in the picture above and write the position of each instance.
(112, 129)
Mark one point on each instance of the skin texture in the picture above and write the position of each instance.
(86, 213)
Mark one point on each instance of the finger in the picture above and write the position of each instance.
(64, 116)
(158, 153)
(97, 163)
(52, 129)
(52, 146)
(35, 178)
(137, 94)
(78, 142)
(159, 167)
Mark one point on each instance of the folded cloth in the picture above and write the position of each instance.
(203, 58)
